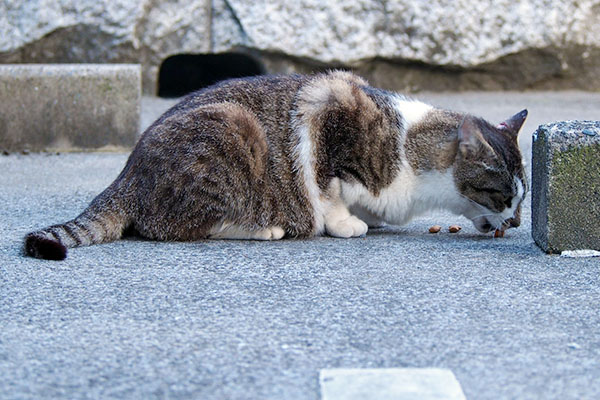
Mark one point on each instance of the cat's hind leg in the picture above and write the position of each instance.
(338, 220)
(231, 231)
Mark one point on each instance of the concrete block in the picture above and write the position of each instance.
(389, 384)
(69, 106)
(565, 190)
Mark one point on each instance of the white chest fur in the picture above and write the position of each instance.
(408, 196)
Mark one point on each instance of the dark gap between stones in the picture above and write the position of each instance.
(185, 73)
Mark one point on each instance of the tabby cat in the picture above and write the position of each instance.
(296, 156)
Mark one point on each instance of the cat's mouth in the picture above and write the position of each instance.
(485, 225)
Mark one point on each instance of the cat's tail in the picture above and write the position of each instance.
(103, 221)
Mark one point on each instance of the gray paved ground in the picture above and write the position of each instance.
(253, 320)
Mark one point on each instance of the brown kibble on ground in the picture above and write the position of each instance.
(498, 233)
(435, 229)
(454, 228)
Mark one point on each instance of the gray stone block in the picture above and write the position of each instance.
(565, 190)
(69, 106)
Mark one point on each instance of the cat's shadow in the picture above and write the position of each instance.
(421, 234)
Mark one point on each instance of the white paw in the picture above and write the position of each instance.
(272, 233)
(346, 228)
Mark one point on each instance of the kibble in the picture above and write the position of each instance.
(499, 233)
(435, 229)
(454, 228)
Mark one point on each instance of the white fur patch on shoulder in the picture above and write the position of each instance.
(412, 111)
(304, 162)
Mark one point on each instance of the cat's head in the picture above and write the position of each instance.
(489, 172)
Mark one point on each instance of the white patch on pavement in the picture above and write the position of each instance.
(389, 384)
(580, 253)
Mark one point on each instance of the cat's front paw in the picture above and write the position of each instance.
(346, 228)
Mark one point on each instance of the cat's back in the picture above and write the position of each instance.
(269, 97)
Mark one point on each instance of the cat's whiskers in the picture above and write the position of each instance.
(473, 202)
(485, 215)
(493, 219)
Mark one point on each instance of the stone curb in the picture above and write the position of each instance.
(565, 192)
(69, 106)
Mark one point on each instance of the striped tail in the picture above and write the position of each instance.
(99, 223)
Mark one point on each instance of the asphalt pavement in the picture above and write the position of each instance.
(260, 320)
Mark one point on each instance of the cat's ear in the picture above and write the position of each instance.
(513, 124)
(471, 143)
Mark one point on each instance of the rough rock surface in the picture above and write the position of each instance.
(533, 43)
(464, 33)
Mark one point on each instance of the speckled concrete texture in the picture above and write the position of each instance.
(259, 320)
(389, 384)
(251, 320)
(69, 106)
(565, 186)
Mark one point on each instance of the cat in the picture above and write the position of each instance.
(295, 156)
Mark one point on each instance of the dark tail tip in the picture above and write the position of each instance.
(41, 247)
